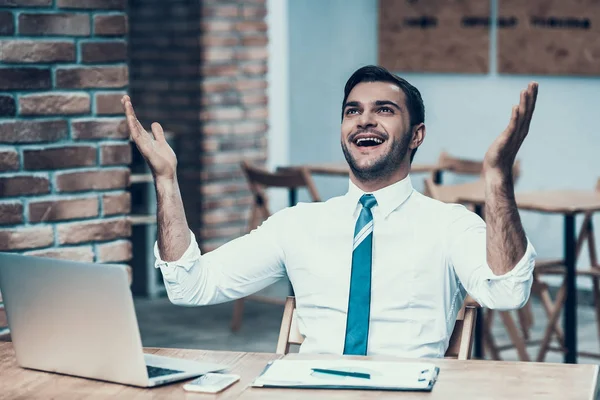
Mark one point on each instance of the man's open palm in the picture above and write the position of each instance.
(502, 153)
(155, 149)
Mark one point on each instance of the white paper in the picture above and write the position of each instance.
(384, 374)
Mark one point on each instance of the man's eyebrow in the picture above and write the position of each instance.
(387, 103)
(376, 103)
(352, 104)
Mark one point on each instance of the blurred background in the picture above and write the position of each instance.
(262, 81)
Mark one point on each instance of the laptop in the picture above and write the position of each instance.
(78, 318)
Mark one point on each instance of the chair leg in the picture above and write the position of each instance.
(552, 320)
(548, 308)
(488, 337)
(513, 332)
(238, 314)
(524, 315)
(528, 314)
(491, 346)
(597, 303)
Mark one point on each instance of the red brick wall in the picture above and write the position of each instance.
(199, 68)
(64, 150)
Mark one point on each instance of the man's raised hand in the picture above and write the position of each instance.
(501, 155)
(154, 148)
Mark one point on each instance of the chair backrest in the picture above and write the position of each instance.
(461, 341)
(260, 179)
(447, 162)
(452, 193)
(463, 166)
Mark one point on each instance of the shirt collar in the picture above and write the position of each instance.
(388, 198)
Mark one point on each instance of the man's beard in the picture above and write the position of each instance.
(383, 167)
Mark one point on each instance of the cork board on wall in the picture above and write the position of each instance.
(549, 37)
(434, 35)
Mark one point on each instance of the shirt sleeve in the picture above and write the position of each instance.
(237, 269)
(467, 252)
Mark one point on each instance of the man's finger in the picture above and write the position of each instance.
(134, 125)
(533, 91)
(530, 98)
(137, 132)
(131, 119)
(522, 109)
(514, 120)
(157, 131)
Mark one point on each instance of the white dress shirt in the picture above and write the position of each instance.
(427, 255)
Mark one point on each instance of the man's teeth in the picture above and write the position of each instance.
(378, 141)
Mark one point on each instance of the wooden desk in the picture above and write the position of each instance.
(16, 382)
(471, 379)
(568, 203)
(463, 380)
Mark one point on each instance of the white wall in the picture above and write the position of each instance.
(278, 92)
(328, 40)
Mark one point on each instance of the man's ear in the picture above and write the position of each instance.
(418, 136)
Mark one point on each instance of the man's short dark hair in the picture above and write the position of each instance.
(373, 73)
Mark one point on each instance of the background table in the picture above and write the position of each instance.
(568, 203)
(463, 380)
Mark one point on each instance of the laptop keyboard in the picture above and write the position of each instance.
(153, 372)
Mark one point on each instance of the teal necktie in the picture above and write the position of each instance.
(359, 300)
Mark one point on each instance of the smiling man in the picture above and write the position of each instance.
(381, 269)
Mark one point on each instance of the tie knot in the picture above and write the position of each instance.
(368, 200)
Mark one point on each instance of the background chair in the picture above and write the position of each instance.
(259, 180)
(452, 193)
(461, 341)
(459, 165)
(466, 167)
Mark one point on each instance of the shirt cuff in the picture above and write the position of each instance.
(186, 261)
(523, 271)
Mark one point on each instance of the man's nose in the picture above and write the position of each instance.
(366, 120)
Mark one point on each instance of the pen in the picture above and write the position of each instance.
(342, 373)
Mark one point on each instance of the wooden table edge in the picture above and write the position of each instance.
(593, 388)
(527, 206)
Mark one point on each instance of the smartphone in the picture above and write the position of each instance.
(211, 383)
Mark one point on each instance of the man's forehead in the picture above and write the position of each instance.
(366, 92)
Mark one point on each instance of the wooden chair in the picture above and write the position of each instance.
(461, 341)
(452, 193)
(556, 267)
(459, 165)
(259, 180)
(465, 166)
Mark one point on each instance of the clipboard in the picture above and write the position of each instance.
(383, 375)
